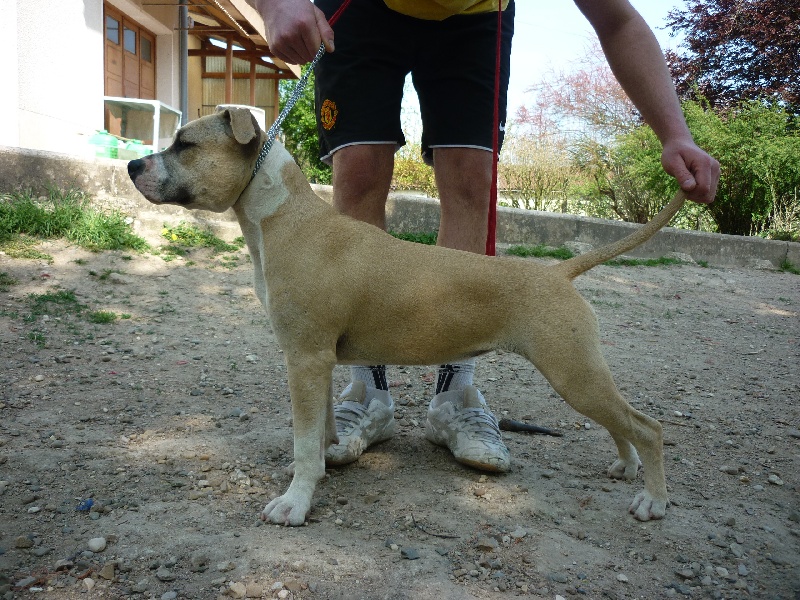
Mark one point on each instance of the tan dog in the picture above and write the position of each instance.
(435, 305)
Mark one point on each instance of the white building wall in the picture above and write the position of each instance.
(53, 73)
(9, 72)
(59, 73)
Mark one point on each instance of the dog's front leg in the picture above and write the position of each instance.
(311, 395)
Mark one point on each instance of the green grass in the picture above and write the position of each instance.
(102, 317)
(55, 304)
(6, 281)
(788, 267)
(643, 262)
(26, 219)
(540, 251)
(188, 236)
(419, 238)
(63, 309)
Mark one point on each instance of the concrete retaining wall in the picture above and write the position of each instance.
(106, 180)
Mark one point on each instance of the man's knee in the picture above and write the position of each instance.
(362, 175)
(463, 177)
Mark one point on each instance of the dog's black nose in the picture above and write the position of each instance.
(135, 168)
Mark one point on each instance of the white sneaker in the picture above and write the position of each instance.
(365, 416)
(462, 421)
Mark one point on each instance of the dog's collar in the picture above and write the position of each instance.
(272, 133)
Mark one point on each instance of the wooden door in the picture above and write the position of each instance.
(130, 57)
(113, 52)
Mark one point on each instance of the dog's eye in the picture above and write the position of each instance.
(179, 145)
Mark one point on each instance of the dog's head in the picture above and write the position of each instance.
(208, 165)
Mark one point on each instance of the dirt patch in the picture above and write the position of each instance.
(174, 420)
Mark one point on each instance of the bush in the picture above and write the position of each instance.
(534, 174)
(758, 147)
(411, 172)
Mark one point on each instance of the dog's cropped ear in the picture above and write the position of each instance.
(243, 124)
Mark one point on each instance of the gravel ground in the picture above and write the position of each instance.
(136, 455)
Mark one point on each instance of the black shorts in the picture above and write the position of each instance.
(359, 87)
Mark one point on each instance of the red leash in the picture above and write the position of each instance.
(338, 13)
(492, 232)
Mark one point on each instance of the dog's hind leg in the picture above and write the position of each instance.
(574, 365)
(310, 389)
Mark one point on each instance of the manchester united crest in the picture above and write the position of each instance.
(328, 114)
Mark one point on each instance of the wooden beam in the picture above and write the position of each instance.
(276, 105)
(229, 72)
(252, 83)
(275, 76)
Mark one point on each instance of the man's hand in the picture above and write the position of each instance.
(696, 171)
(295, 29)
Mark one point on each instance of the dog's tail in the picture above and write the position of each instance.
(580, 264)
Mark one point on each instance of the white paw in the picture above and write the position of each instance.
(289, 509)
(644, 507)
(624, 470)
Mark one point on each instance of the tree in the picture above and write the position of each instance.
(300, 131)
(738, 50)
(585, 101)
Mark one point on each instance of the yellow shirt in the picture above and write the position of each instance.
(437, 10)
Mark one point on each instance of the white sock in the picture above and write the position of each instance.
(455, 376)
(373, 376)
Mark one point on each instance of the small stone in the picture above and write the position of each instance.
(409, 553)
(293, 585)
(742, 570)
(224, 567)
(164, 574)
(775, 480)
(558, 578)
(64, 564)
(23, 542)
(140, 587)
(97, 544)
(108, 571)
(518, 533)
(729, 470)
(721, 571)
(253, 590)
(171, 595)
(621, 577)
(486, 544)
(23, 583)
(89, 583)
(199, 562)
(237, 590)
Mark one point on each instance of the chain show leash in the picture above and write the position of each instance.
(272, 133)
